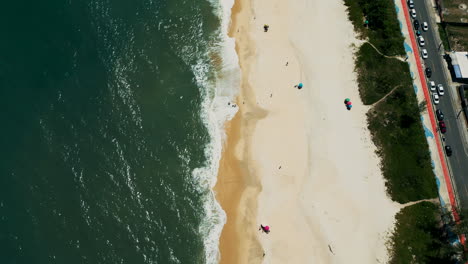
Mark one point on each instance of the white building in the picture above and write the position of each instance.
(460, 64)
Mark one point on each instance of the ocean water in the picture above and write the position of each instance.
(112, 114)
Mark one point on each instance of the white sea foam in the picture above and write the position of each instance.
(218, 95)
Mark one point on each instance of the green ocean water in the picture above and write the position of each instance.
(102, 128)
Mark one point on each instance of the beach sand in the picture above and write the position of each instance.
(297, 160)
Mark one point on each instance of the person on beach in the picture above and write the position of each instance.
(266, 27)
(265, 229)
(299, 86)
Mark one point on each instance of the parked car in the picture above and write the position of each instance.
(410, 3)
(416, 24)
(440, 115)
(428, 72)
(424, 53)
(425, 26)
(421, 41)
(442, 127)
(440, 89)
(418, 33)
(413, 13)
(448, 150)
(433, 86)
(435, 98)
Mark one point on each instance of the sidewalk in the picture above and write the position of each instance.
(447, 194)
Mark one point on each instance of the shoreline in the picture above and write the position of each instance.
(237, 188)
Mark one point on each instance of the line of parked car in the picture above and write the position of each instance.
(436, 90)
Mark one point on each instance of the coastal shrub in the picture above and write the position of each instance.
(378, 75)
(397, 131)
(383, 29)
(420, 237)
(395, 125)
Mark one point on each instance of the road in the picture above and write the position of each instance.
(449, 104)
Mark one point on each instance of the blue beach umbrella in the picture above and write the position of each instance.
(300, 85)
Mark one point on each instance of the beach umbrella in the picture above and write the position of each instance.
(267, 228)
(349, 103)
(347, 100)
(349, 106)
(300, 85)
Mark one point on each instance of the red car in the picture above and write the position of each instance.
(442, 127)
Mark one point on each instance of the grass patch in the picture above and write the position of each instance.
(443, 36)
(458, 37)
(419, 237)
(378, 75)
(397, 131)
(383, 29)
(395, 123)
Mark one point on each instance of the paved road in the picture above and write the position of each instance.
(458, 162)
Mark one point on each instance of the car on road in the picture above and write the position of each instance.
(410, 3)
(418, 33)
(442, 127)
(416, 24)
(425, 26)
(424, 53)
(413, 13)
(433, 86)
(435, 98)
(440, 115)
(448, 150)
(421, 41)
(428, 72)
(440, 89)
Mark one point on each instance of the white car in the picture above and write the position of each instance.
(410, 3)
(435, 98)
(425, 26)
(440, 89)
(424, 53)
(421, 41)
(413, 13)
(433, 86)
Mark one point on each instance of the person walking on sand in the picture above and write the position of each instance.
(266, 27)
(265, 229)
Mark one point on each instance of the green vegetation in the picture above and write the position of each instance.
(395, 125)
(443, 36)
(466, 93)
(383, 29)
(420, 237)
(397, 131)
(458, 37)
(378, 75)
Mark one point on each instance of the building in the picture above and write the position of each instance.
(459, 63)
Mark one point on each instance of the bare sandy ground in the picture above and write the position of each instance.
(300, 162)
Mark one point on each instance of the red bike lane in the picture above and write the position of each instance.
(427, 96)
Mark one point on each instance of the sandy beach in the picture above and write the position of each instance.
(296, 159)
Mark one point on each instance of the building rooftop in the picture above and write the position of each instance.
(460, 64)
